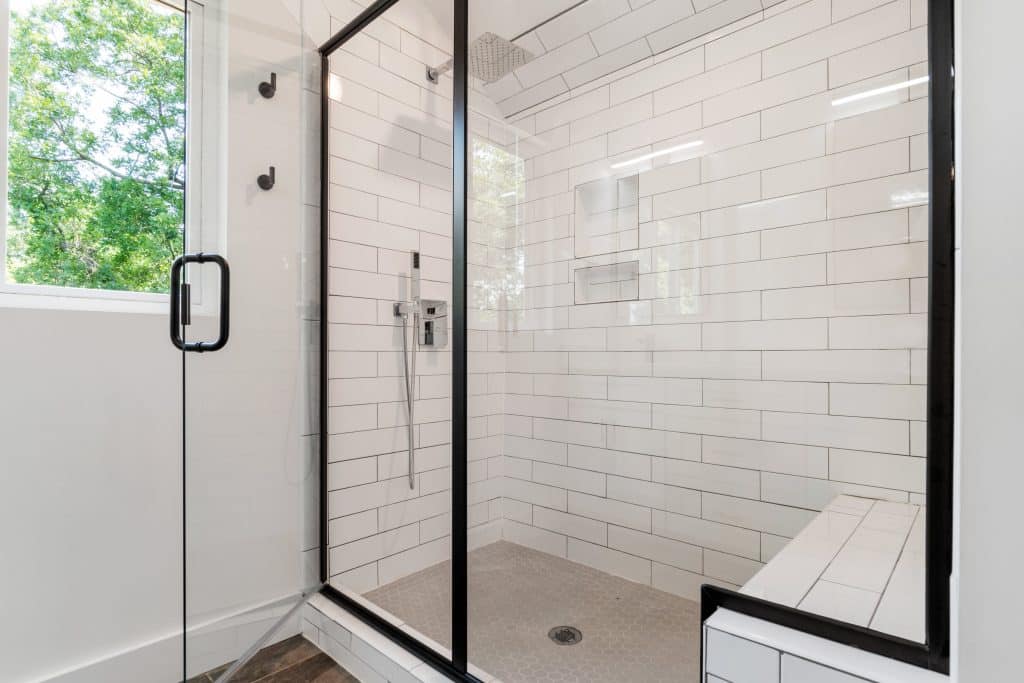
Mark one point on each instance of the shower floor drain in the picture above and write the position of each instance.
(565, 635)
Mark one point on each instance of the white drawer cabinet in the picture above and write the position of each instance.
(742, 649)
(796, 670)
(740, 661)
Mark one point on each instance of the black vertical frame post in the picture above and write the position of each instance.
(460, 251)
(325, 243)
(941, 332)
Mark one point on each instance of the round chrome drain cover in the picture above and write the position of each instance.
(565, 635)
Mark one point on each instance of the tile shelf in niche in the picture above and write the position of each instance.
(606, 283)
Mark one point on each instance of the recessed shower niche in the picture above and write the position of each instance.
(607, 216)
(606, 229)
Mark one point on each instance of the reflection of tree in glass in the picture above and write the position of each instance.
(97, 136)
(496, 190)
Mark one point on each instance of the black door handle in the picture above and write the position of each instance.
(179, 302)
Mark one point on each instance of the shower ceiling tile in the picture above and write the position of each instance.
(638, 23)
(556, 62)
(706, 20)
(608, 63)
(579, 20)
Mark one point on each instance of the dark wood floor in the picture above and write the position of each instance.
(295, 660)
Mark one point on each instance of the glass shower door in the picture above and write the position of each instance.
(242, 316)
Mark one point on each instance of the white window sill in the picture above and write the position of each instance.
(75, 299)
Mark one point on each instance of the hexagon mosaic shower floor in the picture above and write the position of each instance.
(631, 632)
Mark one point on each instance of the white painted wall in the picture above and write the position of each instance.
(991, 595)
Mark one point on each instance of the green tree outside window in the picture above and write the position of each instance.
(96, 151)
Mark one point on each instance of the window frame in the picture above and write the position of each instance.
(197, 74)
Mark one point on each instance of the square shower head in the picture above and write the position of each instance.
(491, 58)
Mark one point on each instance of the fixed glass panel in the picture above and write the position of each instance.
(706, 325)
(250, 446)
(90, 387)
(390, 268)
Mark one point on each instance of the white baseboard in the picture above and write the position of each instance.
(160, 660)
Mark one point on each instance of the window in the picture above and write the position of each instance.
(95, 146)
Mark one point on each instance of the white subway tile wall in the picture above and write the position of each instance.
(769, 363)
(775, 356)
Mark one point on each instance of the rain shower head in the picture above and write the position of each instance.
(491, 58)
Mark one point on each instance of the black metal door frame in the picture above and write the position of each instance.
(457, 666)
(934, 654)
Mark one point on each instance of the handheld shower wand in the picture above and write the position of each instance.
(402, 311)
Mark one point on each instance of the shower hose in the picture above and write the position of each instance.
(410, 386)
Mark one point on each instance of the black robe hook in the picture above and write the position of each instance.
(268, 90)
(267, 180)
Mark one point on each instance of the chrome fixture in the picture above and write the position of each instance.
(429, 328)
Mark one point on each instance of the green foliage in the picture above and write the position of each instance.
(96, 144)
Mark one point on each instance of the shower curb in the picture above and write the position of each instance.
(366, 654)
